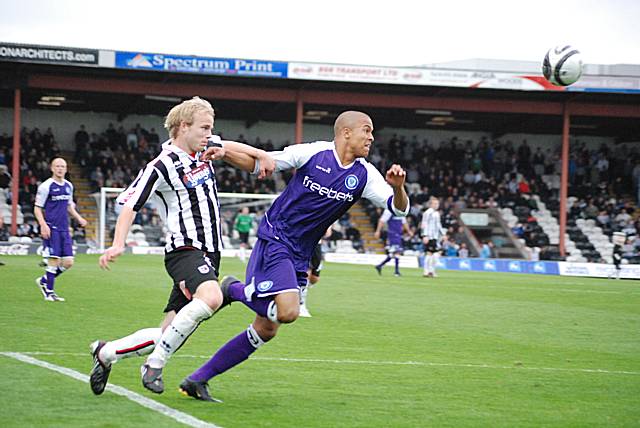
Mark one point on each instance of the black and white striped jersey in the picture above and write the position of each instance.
(431, 225)
(186, 187)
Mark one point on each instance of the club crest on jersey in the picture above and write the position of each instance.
(196, 176)
(351, 181)
(203, 269)
(264, 286)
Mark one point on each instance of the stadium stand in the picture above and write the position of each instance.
(519, 182)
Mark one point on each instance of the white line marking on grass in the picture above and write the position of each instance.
(457, 365)
(177, 415)
(390, 363)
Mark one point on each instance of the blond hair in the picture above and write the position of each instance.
(184, 112)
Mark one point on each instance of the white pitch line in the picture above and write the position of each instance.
(389, 363)
(457, 365)
(177, 415)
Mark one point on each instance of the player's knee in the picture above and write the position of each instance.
(67, 263)
(209, 292)
(313, 279)
(288, 314)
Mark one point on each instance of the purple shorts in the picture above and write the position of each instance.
(271, 270)
(59, 244)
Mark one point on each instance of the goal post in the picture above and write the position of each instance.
(230, 203)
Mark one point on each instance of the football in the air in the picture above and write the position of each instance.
(562, 65)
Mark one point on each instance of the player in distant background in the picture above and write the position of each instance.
(331, 177)
(1, 231)
(432, 233)
(619, 239)
(396, 225)
(243, 225)
(54, 203)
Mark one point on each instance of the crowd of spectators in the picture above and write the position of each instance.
(36, 150)
(463, 174)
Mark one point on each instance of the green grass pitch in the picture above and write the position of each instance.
(464, 349)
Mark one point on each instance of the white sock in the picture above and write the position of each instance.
(139, 343)
(184, 323)
(243, 254)
(434, 262)
(427, 264)
(303, 295)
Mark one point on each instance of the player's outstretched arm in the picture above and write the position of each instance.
(125, 219)
(395, 177)
(244, 156)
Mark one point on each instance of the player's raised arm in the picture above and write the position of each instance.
(396, 176)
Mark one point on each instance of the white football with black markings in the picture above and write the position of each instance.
(562, 65)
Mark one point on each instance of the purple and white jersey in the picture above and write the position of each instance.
(55, 198)
(319, 193)
(394, 227)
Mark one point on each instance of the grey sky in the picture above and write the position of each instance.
(368, 32)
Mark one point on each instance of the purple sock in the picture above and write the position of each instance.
(259, 306)
(397, 265)
(231, 354)
(51, 278)
(385, 261)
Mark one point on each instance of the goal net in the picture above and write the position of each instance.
(149, 230)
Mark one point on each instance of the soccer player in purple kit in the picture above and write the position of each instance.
(54, 203)
(331, 176)
(396, 225)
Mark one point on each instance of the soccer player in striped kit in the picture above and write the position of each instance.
(185, 184)
(331, 176)
(432, 233)
(54, 203)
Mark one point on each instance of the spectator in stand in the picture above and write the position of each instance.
(487, 250)
(449, 247)
(81, 138)
(5, 177)
(523, 187)
(623, 217)
(518, 230)
(463, 252)
(538, 163)
(603, 218)
(591, 211)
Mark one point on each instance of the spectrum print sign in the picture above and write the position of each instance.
(201, 65)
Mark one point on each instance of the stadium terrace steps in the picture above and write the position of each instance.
(360, 220)
(85, 202)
